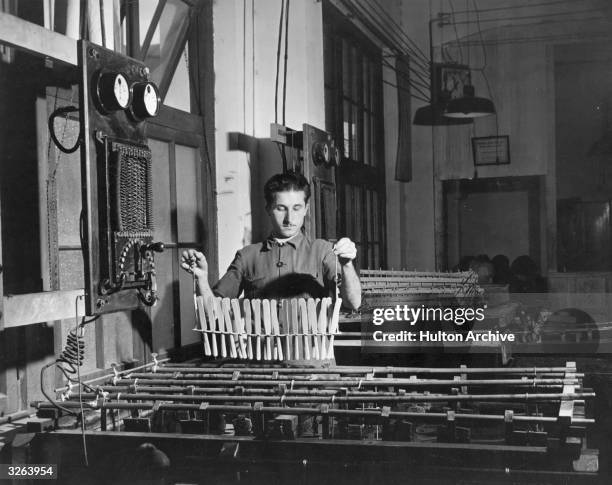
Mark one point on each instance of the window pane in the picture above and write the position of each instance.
(179, 92)
(357, 134)
(349, 210)
(161, 190)
(346, 69)
(162, 314)
(187, 193)
(187, 310)
(366, 83)
(171, 25)
(146, 10)
(373, 140)
(373, 99)
(367, 158)
(355, 74)
(358, 222)
(347, 129)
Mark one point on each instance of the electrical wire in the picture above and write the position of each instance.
(396, 37)
(423, 81)
(58, 111)
(81, 350)
(278, 52)
(375, 25)
(530, 17)
(450, 3)
(484, 50)
(286, 59)
(404, 75)
(420, 98)
(516, 7)
(401, 31)
(542, 38)
(416, 87)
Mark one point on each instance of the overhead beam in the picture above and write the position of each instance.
(33, 38)
(47, 306)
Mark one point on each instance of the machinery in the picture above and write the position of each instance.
(273, 424)
(116, 97)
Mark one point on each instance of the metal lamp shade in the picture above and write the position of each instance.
(469, 106)
(433, 115)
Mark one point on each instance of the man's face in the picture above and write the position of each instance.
(287, 213)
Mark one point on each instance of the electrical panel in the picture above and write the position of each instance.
(321, 156)
(116, 97)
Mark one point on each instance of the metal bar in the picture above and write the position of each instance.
(348, 399)
(220, 390)
(308, 411)
(365, 369)
(119, 373)
(271, 381)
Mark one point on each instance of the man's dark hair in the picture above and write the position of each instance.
(286, 182)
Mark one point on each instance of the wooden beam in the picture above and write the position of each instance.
(33, 38)
(42, 307)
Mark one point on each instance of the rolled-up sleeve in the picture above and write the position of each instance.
(231, 284)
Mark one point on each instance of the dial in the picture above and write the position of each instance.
(113, 92)
(121, 91)
(146, 102)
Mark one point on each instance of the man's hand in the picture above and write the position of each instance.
(346, 250)
(194, 262)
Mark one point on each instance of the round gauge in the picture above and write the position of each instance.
(147, 101)
(121, 91)
(113, 91)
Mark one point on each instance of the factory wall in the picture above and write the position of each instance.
(245, 72)
(245, 69)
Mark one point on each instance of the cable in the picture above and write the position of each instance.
(286, 58)
(423, 82)
(278, 51)
(530, 17)
(417, 86)
(484, 50)
(56, 112)
(81, 347)
(450, 3)
(375, 25)
(528, 5)
(541, 38)
(401, 31)
(382, 25)
(425, 100)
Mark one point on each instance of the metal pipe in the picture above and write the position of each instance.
(270, 381)
(348, 399)
(108, 376)
(364, 369)
(220, 390)
(9, 418)
(311, 411)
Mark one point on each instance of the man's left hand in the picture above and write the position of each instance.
(346, 250)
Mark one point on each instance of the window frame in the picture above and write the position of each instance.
(365, 173)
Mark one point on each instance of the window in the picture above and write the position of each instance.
(353, 113)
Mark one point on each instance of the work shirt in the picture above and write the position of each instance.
(296, 268)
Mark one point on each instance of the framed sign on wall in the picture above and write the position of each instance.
(491, 150)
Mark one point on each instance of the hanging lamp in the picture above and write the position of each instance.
(433, 114)
(469, 106)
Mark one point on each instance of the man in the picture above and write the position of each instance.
(288, 264)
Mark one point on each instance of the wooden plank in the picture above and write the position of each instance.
(42, 307)
(36, 39)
